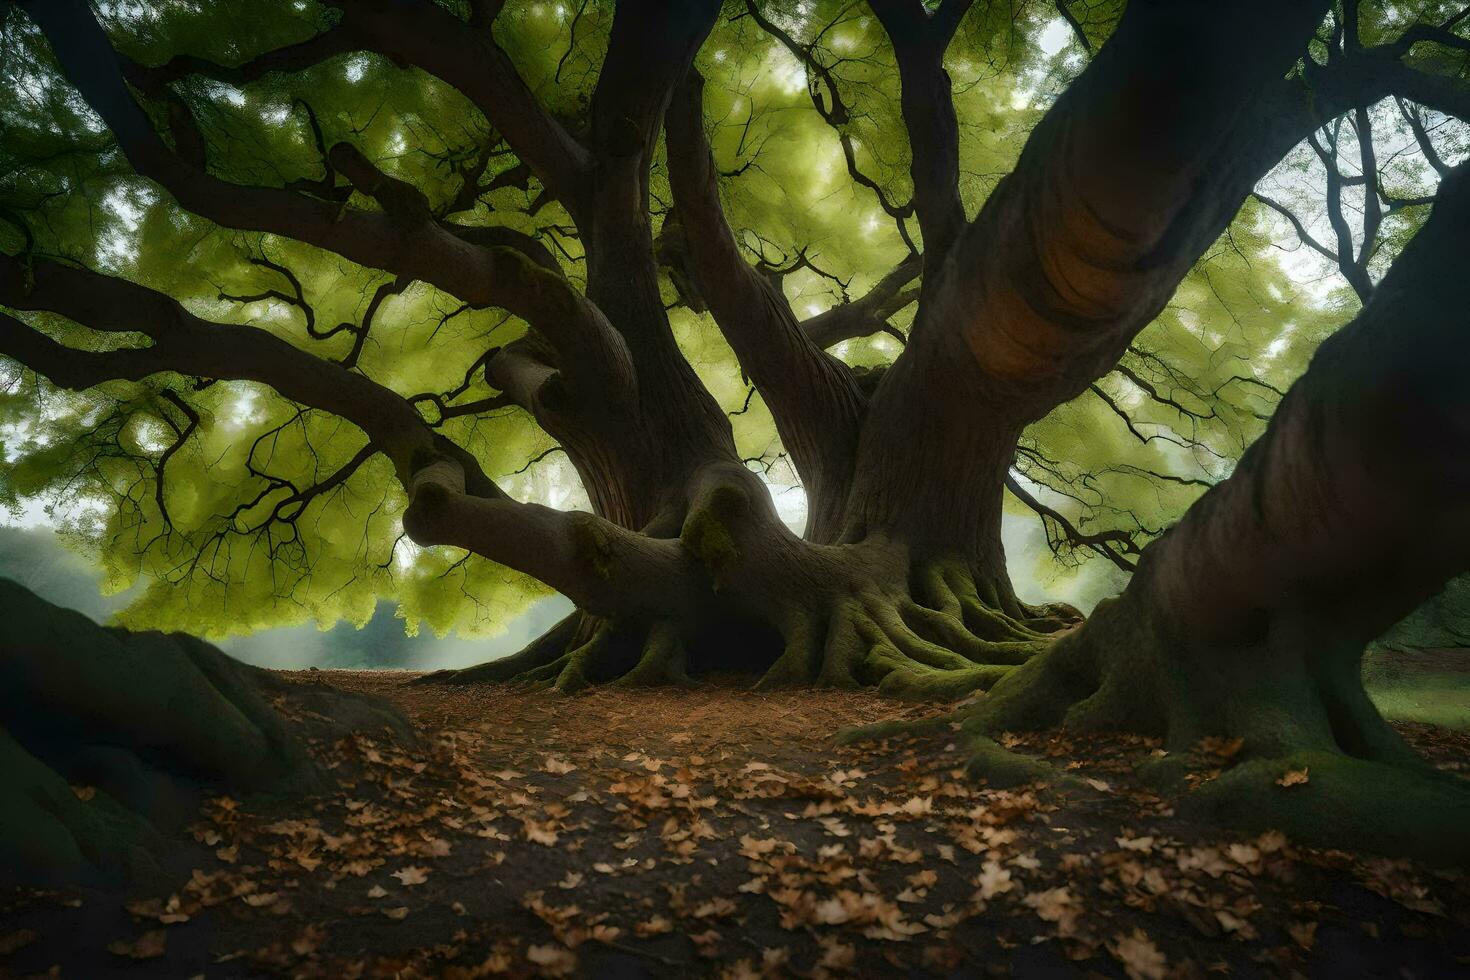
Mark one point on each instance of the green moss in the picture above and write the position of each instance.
(918, 683)
(798, 663)
(593, 545)
(706, 532)
(663, 660)
(1034, 695)
(1002, 768)
(150, 721)
(48, 834)
(1431, 698)
(1346, 803)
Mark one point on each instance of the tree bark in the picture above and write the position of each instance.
(1250, 617)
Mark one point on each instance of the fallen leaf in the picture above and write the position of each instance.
(1139, 956)
(1305, 933)
(1293, 777)
(1051, 904)
(1231, 922)
(1225, 748)
(554, 961)
(654, 926)
(538, 833)
(148, 946)
(308, 940)
(993, 880)
(411, 876)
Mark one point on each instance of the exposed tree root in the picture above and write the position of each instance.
(1296, 703)
(541, 651)
(1346, 802)
(931, 638)
(936, 638)
(582, 651)
(906, 649)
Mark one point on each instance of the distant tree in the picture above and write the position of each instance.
(1020, 294)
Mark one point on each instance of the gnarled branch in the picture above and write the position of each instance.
(813, 398)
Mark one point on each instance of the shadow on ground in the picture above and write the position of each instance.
(719, 832)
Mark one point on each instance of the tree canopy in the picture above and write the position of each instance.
(238, 507)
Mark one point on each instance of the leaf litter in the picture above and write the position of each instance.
(722, 833)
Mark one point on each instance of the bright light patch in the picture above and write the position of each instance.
(239, 414)
(788, 73)
(355, 68)
(1054, 36)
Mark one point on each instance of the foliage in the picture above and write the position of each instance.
(270, 514)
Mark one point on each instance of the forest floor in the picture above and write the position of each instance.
(720, 832)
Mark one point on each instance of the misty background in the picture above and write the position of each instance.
(36, 558)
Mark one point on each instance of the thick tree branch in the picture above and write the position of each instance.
(813, 398)
(188, 345)
(424, 34)
(402, 238)
(451, 501)
(1353, 269)
(868, 314)
(1121, 186)
(650, 48)
(1320, 530)
(927, 100)
(649, 53)
(1078, 31)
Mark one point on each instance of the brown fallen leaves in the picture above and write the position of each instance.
(411, 876)
(722, 833)
(149, 946)
(1139, 956)
(1293, 777)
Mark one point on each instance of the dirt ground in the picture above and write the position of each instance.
(720, 832)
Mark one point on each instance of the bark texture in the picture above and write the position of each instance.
(1249, 619)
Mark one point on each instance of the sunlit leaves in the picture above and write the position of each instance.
(241, 540)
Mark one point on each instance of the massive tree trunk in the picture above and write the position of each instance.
(1249, 618)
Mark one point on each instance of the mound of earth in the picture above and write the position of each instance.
(109, 740)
